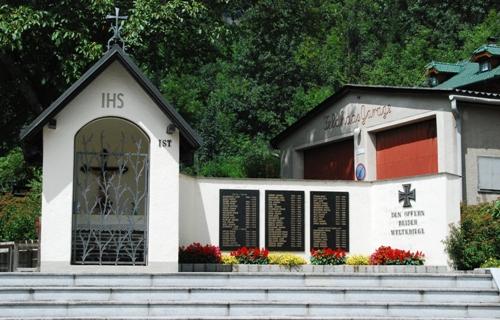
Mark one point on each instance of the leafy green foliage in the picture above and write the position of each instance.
(18, 214)
(476, 239)
(238, 71)
(491, 263)
(12, 170)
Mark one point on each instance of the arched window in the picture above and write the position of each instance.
(110, 193)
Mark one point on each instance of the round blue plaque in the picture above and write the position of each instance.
(360, 171)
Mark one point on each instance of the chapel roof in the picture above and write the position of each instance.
(116, 53)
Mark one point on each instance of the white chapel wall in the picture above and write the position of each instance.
(58, 172)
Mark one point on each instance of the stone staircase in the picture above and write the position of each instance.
(249, 296)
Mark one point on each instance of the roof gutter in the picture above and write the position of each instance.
(455, 98)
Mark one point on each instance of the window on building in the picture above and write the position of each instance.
(489, 173)
(433, 81)
(484, 66)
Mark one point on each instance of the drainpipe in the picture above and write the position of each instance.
(458, 126)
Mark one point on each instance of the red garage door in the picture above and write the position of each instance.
(407, 151)
(333, 161)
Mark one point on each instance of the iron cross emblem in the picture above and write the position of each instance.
(116, 28)
(406, 195)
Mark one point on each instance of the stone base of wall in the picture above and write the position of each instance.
(204, 267)
(340, 269)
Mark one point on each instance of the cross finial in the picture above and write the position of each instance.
(116, 28)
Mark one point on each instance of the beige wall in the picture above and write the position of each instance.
(58, 159)
(376, 111)
(480, 137)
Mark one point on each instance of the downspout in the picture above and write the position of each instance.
(458, 145)
(458, 127)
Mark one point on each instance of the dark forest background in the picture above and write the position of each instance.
(238, 71)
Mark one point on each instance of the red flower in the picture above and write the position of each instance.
(388, 256)
(251, 255)
(197, 253)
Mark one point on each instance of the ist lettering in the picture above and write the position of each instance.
(164, 143)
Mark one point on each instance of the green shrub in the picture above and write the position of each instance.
(491, 263)
(476, 238)
(223, 167)
(262, 164)
(13, 170)
(18, 214)
(495, 209)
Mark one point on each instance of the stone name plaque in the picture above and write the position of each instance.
(238, 219)
(330, 220)
(285, 220)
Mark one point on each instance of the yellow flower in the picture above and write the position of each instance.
(286, 259)
(358, 260)
(229, 259)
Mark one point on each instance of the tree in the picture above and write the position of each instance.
(238, 71)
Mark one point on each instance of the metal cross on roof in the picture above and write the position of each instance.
(116, 28)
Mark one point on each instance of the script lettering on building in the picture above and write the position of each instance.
(342, 118)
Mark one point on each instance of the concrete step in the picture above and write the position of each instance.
(267, 309)
(333, 294)
(238, 318)
(250, 280)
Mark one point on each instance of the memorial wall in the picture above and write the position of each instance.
(239, 219)
(299, 215)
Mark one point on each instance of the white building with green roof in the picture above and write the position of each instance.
(480, 73)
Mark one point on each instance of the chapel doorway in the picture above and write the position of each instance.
(110, 194)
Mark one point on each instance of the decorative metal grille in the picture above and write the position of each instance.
(110, 212)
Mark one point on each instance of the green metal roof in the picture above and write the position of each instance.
(492, 49)
(444, 67)
(470, 74)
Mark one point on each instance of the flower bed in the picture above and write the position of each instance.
(198, 258)
(286, 259)
(328, 256)
(389, 256)
(246, 255)
(197, 253)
